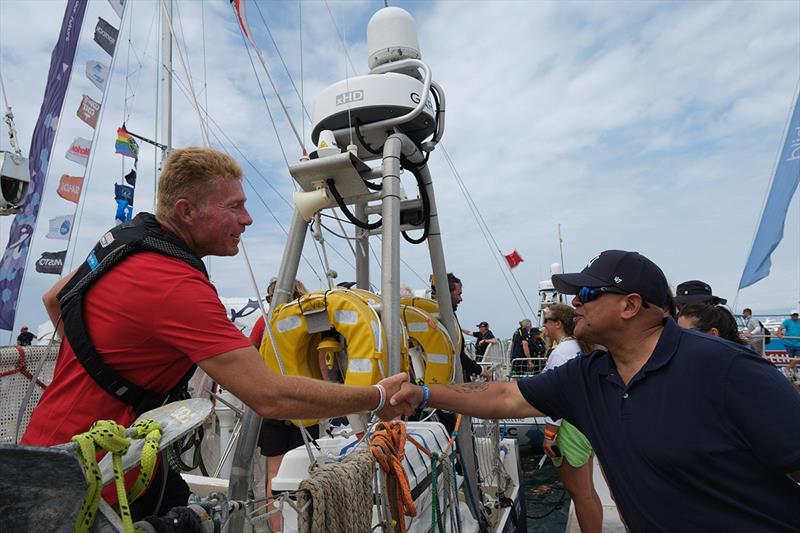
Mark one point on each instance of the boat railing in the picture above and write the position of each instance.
(19, 366)
(527, 366)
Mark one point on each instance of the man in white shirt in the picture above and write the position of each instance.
(754, 333)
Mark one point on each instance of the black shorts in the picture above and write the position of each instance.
(279, 436)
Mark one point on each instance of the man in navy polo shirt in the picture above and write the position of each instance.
(694, 433)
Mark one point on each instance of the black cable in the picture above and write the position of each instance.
(426, 202)
(360, 137)
(350, 216)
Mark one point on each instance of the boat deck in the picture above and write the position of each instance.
(611, 520)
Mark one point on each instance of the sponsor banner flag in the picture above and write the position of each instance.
(69, 188)
(105, 35)
(513, 259)
(12, 265)
(79, 151)
(123, 192)
(773, 218)
(97, 73)
(88, 111)
(130, 177)
(51, 262)
(60, 227)
(126, 145)
(118, 6)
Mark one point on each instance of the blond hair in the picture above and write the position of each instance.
(191, 173)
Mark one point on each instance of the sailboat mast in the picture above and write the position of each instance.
(166, 80)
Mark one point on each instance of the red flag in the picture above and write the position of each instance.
(513, 259)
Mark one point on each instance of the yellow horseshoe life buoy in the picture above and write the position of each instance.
(353, 319)
(431, 335)
(432, 308)
(422, 327)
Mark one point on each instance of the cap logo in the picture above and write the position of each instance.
(617, 279)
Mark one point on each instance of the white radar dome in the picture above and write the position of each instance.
(555, 268)
(391, 36)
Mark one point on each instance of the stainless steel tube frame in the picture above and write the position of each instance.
(251, 422)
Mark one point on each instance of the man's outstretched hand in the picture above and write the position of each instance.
(406, 400)
(392, 385)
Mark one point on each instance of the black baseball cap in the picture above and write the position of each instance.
(696, 291)
(483, 324)
(630, 272)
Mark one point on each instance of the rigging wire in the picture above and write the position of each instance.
(285, 67)
(219, 142)
(487, 234)
(192, 92)
(302, 77)
(275, 91)
(205, 68)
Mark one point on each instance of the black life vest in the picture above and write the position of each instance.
(141, 234)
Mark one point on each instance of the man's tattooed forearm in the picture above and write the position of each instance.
(466, 388)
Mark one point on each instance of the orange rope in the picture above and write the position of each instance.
(22, 368)
(387, 445)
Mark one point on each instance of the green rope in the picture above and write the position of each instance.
(436, 516)
(107, 435)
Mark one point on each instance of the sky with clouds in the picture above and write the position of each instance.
(648, 126)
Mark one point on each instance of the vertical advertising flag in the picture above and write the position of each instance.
(79, 151)
(88, 111)
(69, 188)
(12, 265)
(773, 218)
(105, 35)
(60, 227)
(97, 73)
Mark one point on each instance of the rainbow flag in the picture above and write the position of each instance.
(126, 145)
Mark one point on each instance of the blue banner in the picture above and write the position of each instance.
(12, 266)
(784, 185)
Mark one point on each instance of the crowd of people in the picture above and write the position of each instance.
(694, 430)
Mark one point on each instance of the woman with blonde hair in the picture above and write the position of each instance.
(562, 440)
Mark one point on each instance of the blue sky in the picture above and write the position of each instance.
(635, 125)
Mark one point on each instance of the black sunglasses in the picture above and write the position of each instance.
(588, 294)
(550, 319)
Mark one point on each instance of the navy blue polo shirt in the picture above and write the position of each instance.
(699, 440)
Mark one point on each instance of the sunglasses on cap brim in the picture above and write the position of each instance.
(588, 294)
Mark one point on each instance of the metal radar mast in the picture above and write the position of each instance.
(392, 117)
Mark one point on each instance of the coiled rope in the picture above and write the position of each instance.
(338, 496)
(107, 435)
